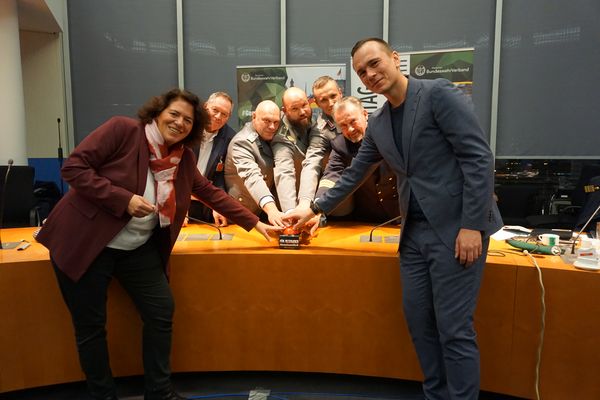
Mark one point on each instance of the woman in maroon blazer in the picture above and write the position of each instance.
(131, 182)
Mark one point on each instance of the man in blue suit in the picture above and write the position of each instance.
(429, 135)
(212, 152)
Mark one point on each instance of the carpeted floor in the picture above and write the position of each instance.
(253, 386)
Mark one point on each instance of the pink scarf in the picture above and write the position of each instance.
(163, 165)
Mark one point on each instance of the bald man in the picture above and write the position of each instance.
(298, 151)
(249, 163)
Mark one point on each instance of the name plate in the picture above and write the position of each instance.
(289, 241)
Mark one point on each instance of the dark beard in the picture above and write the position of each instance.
(301, 127)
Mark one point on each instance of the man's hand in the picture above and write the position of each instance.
(313, 224)
(468, 247)
(265, 229)
(303, 203)
(299, 216)
(275, 216)
(139, 207)
(219, 219)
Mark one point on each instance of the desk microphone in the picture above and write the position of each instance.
(382, 224)
(206, 223)
(583, 229)
(2, 200)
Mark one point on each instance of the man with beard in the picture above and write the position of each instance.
(298, 151)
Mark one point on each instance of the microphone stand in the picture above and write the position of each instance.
(207, 223)
(583, 229)
(60, 159)
(382, 224)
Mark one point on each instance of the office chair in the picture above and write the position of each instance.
(517, 201)
(569, 217)
(19, 201)
(590, 205)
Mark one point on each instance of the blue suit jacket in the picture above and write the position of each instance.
(218, 154)
(446, 160)
(376, 199)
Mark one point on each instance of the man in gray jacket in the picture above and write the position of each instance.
(298, 150)
(249, 163)
(326, 93)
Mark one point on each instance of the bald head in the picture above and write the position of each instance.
(266, 106)
(296, 107)
(266, 119)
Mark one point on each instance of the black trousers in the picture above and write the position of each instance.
(141, 274)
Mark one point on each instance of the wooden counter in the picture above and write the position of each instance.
(332, 306)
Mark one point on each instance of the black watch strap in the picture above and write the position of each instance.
(315, 207)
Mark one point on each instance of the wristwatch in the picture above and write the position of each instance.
(314, 207)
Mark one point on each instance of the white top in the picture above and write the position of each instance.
(205, 149)
(138, 230)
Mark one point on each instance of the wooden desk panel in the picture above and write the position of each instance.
(571, 355)
(333, 306)
(37, 346)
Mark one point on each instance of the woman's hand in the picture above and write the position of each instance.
(265, 229)
(219, 219)
(139, 207)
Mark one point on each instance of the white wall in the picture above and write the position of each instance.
(58, 10)
(43, 91)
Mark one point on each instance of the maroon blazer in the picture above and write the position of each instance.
(107, 168)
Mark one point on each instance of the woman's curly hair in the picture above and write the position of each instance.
(153, 107)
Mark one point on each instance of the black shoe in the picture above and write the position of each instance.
(165, 395)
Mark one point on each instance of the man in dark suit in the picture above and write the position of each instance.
(428, 133)
(212, 152)
(376, 200)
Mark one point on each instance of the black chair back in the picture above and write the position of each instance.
(18, 195)
(591, 203)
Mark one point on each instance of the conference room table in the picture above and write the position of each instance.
(332, 306)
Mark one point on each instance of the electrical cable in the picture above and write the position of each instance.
(543, 326)
(206, 223)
